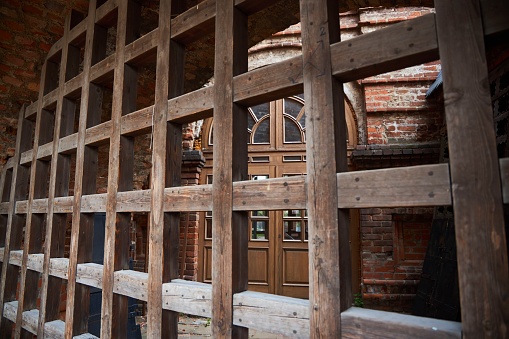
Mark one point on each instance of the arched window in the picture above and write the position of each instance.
(278, 125)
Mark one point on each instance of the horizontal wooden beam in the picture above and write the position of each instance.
(272, 313)
(365, 323)
(264, 312)
(360, 57)
(53, 329)
(425, 185)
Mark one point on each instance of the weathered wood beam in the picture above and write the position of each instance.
(229, 241)
(264, 312)
(426, 185)
(365, 55)
(475, 173)
(114, 308)
(32, 242)
(15, 223)
(330, 281)
(76, 317)
(54, 237)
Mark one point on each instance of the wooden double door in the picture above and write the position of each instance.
(278, 241)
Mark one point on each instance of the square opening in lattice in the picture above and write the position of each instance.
(139, 84)
(42, 178)
(102, 168)
(47, 126)
(69, 122)
(100, 102)
(138, 236)
(66, 170)
(142, 18)
(75, 57)
(105, 36)
(51, 79)
(65, 225)
(6, 191)
(76, 18)
(142, 161)
(3, 229)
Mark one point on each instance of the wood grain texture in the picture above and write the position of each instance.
(475, 176)
(54, 239)
(171, 231)
(166, 138)
(272, 313)
(229, 247)
(114, 307)
(426, 185)
(285, 78)
(73, 291)
(28, 281)
(15, 223)
(329, 254)
(264, 312)
(366, 323)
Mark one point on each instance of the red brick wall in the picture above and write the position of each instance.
(396, 109)
(24, 44)
(403, 128)
(394, 243)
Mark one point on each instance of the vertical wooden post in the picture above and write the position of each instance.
(114, 310)
(229, 229)
(475, 174)
(58, 186)
(176, 55)
(28, 290)
(81, 186)
(15, 223)
(329, 253)
(166, 163)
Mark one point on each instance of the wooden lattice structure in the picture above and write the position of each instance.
(35, 183)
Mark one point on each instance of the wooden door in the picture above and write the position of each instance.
(278, 241)
(261, 243)
(292, 245)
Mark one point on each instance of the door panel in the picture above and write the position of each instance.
(278, 241)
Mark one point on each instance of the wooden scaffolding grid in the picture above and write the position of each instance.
(35, 184)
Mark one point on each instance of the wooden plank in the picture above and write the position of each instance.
(374, 188)
(105, 10)
(195, 22)
(191, 106)
(173, 159)
(28, 284)
(426, 185)
(476, 188)
(58, 185)
(329, 255)
(142, 49)
(53, 329)
(166, 143)
(103, 70)
(265, 312)
(73, 86)
(229, 241)
(405, 44)
(272, 313)
(188, 297)
(366, 323)
(76, 316)
(114, 307)
(138, 122)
